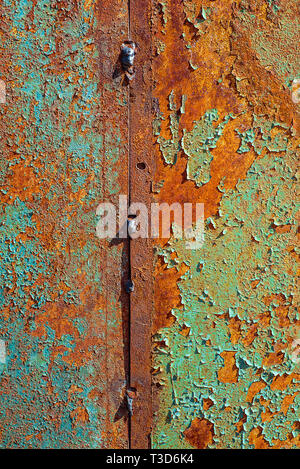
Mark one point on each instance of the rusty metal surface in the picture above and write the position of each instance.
(64, 315)
(141, 250)
(213, 83)
(226, 337)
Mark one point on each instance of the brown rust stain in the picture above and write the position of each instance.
(229, 78)
(166, 293)
(200, 434)
(274, 358)
(79, 416)
(229, 373)
(65, 140)
(280, 383)
(257, 440)
(207, 403)
(255, 388)
(287, 402)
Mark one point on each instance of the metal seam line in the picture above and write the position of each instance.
(129, 239)
(141, 255)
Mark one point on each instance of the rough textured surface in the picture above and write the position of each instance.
(141, 250)
(64, 150)
(226, 365)
(226, 133)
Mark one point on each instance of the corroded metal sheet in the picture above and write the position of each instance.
(141, 169)
(215, 82)
(226, 364)
(64, 316)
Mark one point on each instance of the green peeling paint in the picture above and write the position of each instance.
(241, 249)
(195, 144)
(171, 147)
(195, 16)
(198, 143)
(264, 135)
(58, 161)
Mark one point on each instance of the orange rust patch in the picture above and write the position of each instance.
(281, 311)
(282, 382)
(207, 403)
(166, 293)
(200, 434)
(265, 318)
(255, 283)
(275, 358)
(73, 389)
(23, 184)
(282, 316)
(235, 330)
(240, 424)
(79, 415)
(280, 298)
(229, 373)
(254, 389)
(250, 335)
(283, 229)
(256, 438)
(185, 331)
(287, 401)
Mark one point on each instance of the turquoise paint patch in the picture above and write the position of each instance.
(244, 261)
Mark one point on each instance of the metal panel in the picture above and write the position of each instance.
(215, 81)
(225, 345)
(141, 251)
(64, 316)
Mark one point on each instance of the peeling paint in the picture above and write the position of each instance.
(225, 334)
(64, 149)
(226, 132)
(198, 143)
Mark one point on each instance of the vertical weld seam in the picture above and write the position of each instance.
(129, 239)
